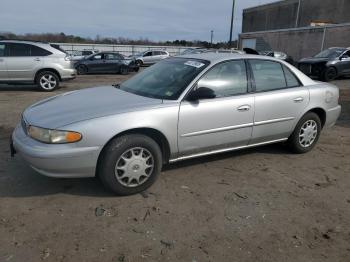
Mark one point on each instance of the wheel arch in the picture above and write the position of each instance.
(321, 113)
(49, 70)
(155, 134)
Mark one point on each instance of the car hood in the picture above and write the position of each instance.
(81, 105)
(314, 60)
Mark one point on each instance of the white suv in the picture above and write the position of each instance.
(34, 62)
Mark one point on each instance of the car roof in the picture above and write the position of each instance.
(219, 57)
(22, 41)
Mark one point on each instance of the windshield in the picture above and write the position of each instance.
(331, 53)
(166, 79)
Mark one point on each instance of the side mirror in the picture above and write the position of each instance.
(201, 93)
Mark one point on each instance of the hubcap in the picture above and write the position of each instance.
(48, 82)
(134, 167)
(81, 69)
(308, 133)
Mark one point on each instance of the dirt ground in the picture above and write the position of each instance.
(262, 204)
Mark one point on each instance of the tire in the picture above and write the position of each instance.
(82, 69)
(127, 173)
(124, 70)
(139, 63)
(47, 81)
(330, 74)
(310, 127)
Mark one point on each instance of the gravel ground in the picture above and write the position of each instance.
(262, 204)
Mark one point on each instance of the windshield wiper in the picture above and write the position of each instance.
(116, 86)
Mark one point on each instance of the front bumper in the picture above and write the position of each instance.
(59, 160)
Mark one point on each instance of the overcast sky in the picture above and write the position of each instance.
(153, 19)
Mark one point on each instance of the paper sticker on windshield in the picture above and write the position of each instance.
(194, 64)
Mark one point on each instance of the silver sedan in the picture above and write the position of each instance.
(180, 108)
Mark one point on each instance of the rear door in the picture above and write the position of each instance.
(280, 100)
(112, 62)
(222, 122)
(3, 68)
(148, 58)
(22, 64)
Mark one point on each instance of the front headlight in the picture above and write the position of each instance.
(53, 136)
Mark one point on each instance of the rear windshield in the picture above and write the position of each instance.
(57, 47)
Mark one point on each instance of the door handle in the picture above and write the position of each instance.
(298, 99)
(36, 59)
(243, 108)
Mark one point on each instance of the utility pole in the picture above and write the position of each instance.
(211, 37)
(231, 30)
(298, 13)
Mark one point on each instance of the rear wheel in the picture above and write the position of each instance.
(330, 74)
(47, 81)
(306, 133)
(139, 63)
(130, 164)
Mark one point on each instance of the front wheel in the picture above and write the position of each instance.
(47, 81)
(124, 70)
(306, 133)
(130, 164)
(82, 70)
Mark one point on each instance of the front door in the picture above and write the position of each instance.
(148, 58)
(344, 64)
(280, 99)
(96, 63)
(222, 122)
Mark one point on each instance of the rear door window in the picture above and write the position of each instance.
(109, 57)
(268, 75)
(291, 79)
(38, 51)
(19, 49)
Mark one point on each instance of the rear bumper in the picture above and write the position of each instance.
(332, 116)
(64, 160)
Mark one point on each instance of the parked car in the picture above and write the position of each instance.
(28, 62)
(194, 50)
(211, 50)
(150, 57)
(77, 55)
(106, 62)
(279, 55)
(328, 64)
(181, 108)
